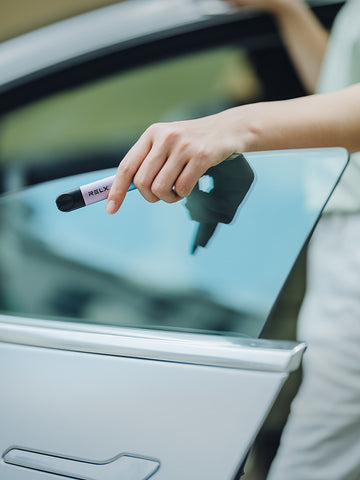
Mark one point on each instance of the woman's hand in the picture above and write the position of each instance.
(169, 158)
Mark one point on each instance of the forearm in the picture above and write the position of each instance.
(323, 120)
(305, 39)
(169, 158)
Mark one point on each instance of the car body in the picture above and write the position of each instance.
(124, 353)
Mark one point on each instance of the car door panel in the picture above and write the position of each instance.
(196, 420)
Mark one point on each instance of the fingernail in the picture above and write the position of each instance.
(110, 207)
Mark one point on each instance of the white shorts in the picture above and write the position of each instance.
(321, 440)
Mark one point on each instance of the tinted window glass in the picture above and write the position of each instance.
(213, 262)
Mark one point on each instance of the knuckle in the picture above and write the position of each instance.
(153, 128)
(182, 188)
(159, 190)
(148, 196)
(125, 169)
(203, 154)
(170, 134)
(141, 183)
(184, 146)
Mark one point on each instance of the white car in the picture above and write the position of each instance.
(131, 345)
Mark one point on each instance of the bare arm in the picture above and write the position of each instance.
(322, 120)
(304, 36)
(169, 158)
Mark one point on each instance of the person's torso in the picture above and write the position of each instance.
(341, 68)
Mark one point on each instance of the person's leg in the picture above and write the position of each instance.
(321, 440)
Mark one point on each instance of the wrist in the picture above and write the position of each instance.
(241, 128)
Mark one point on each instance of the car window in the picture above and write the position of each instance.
(214, 262)
(150, 266)
(94, 125)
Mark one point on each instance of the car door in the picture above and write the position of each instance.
(128, 355)
(126, 352)
(95, 403)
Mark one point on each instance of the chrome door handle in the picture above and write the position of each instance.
(122, 467)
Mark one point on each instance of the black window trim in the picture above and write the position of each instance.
(127, 56)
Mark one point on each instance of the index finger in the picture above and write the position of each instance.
(126, 171)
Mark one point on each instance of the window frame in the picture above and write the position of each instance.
(253, 32)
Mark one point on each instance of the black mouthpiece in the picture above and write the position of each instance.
(71, 200)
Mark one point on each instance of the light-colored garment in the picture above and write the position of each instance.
(340, 69)
(321, 440)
